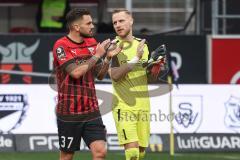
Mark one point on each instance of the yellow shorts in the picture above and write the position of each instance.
(132, 125)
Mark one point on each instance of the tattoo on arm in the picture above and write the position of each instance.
(82, 68)
(71, 67)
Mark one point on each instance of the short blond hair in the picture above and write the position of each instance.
(122, 10)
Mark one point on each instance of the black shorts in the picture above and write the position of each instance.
(70, 133)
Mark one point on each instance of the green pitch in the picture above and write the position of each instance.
(120, 156)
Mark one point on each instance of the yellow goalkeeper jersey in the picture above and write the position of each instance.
(131, 92)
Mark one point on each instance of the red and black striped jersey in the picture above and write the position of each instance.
(75, 96)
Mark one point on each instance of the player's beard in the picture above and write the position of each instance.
(86, 35)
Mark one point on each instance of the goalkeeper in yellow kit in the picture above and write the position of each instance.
(131, 103)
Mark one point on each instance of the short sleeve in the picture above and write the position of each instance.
(62, 55)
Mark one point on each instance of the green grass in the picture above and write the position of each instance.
(120, 156)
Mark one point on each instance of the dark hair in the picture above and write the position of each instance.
(121, 10)
(74, 15)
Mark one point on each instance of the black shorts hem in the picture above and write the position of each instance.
(97, 139)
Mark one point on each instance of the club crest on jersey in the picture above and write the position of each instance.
(60, 53)
(91, 49)
(13, 108)
(232, 115)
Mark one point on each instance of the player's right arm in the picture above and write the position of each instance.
(118, 72)
(66, 60)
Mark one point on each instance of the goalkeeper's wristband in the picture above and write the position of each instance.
(132, 62)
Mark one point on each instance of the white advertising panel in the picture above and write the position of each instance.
(30, 109)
